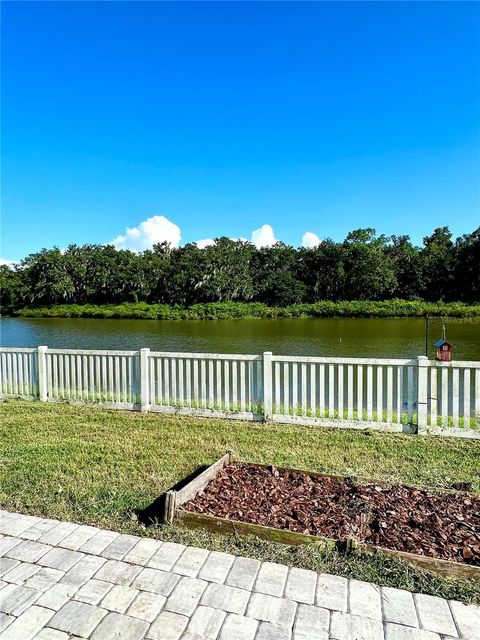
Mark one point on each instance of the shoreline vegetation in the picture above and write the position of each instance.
(253, 310)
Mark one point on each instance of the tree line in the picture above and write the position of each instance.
(365, 266)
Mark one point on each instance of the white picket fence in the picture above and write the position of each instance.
(410, 395)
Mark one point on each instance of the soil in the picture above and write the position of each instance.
(439, 525)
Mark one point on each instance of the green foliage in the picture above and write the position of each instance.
(181, 282)
(233, 310)
(438, 265)
(11, 289)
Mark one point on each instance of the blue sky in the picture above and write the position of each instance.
(224, 117)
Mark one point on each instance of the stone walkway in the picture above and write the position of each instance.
(61, 581)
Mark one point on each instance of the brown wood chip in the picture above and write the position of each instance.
(440, 525)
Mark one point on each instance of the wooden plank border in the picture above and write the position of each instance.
(447, 568)
(175, 499)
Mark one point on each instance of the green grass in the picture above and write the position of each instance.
(95, 466)
(233, 310)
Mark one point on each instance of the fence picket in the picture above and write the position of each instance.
(174, 400)
(313, 387)
(321, 390)
(433, 397)
(379, 394)
(156, 381)
(331, 391)
(235, 385)
(276, 368)
(303, 388)
(73, 377)
(166, 382)
(181, 388)
(369, 392)
(20, 382)
(56, 386)
(68, 375)
(97, 387)
(340, 391)
(226, 386)
(476, 402)
(12, 374)
(359, 392)
(4, 377)
(400, 374)
(350, 392)
(455, 396)
(188, 381)
(295, 388)
(389, 393)
(211, 385)
(445, 397)
(466, 398)
(103, 374)
(286, 388)
(195, 384)
(243, 406)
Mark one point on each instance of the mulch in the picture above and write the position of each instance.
(439, 525)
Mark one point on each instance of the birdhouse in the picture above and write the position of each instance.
(444, 350)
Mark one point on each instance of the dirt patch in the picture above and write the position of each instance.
(439, 525)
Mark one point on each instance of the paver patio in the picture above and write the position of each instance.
(62, 581)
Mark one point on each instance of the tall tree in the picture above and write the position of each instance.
(407, 267)
(438, 265)
(275, 276)
(467, 268)
(12, 290)
(322, 271)
(226, 274)
(46, 278)
(369, 270)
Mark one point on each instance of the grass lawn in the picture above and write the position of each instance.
(100, 467)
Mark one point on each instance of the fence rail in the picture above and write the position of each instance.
(410, 395)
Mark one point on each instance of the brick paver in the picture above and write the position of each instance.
(435, 615)
(186, 596)
(63, 581)
(243, 573)
(301, 585)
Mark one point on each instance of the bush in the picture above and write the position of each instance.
(237, 310)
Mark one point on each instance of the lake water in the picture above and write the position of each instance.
(357, 337)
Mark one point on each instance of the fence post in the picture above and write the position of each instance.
(144, 380)
(42, 373)
(267, 385)
(422, 407)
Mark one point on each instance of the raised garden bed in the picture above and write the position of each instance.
(437, 530)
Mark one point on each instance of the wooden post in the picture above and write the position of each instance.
(42, 373)
(267, 385)
(144, 380)
(422, 407)
(170, 506)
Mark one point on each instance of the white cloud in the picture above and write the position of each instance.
(310, 240)
(208, 242)
(263, 237)
(149, 232)
(8, 263)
